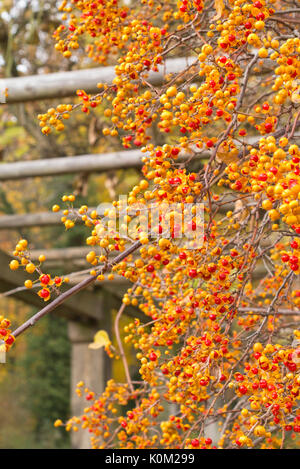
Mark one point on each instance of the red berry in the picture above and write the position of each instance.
(44, 293)
(268, 127)
(10, 340)
(192, 273)
(45, 279)
(263, 177)
(243, 389)
(152, 356)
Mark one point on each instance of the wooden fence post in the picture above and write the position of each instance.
(86, 365)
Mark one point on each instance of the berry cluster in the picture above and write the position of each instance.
(219, 342)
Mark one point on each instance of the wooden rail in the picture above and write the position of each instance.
(70, 165)
(90, 163)
(63, 84)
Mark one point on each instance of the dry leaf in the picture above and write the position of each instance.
(219, 7)
(101, 339)
(224, 154)
(93, 133)
(240, 211)
(296, 96)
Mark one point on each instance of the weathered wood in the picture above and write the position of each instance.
(69, 258)
(64, 254)
(90, 163)
(71, 165)
(63, 84)
(89, 366)
(14, 222)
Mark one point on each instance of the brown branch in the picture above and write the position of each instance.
(245, 82)
(121, 348)
(294, 125)
(77, 288)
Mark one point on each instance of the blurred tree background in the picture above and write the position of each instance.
(34, 384)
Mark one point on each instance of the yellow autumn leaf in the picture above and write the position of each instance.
(101, 339)
(225, 154)
(219, 7)
(226, 158)
(240, 210)
(295, 97)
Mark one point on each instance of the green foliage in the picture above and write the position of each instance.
(35, 386)
(47, 369)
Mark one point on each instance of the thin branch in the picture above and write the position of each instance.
(77, 288)
(121, 348)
